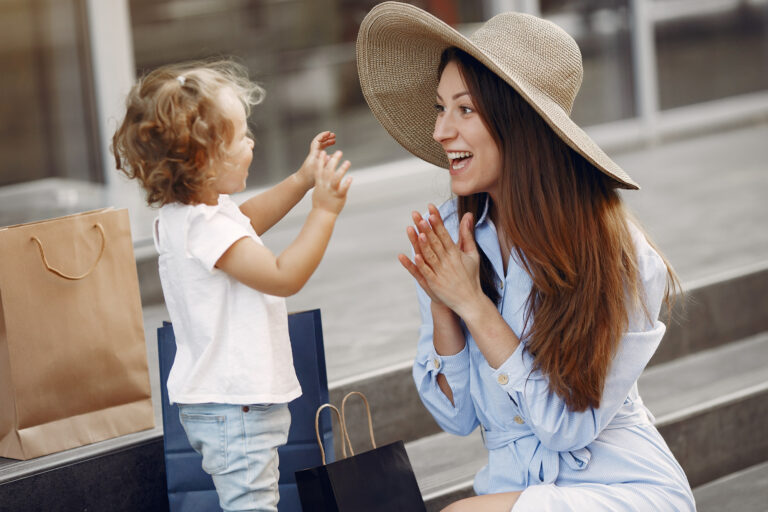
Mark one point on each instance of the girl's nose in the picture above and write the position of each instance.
(444, 129)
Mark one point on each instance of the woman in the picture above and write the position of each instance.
(539, 295)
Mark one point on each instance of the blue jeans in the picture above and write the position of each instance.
(239, 448)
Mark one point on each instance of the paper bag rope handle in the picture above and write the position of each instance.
(344, 435)
(367, 410)
(67, 276)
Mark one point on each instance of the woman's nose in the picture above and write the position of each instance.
(444, 129)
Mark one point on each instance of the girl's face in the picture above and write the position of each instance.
(232, 170)
(475, 159)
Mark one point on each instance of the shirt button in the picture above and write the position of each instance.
(246, 408)
(436, 361)
(519, 420)
(501, 285)
(503, 379)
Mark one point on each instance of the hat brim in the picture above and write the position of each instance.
(398, 53)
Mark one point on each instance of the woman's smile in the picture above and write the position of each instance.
(459, 160)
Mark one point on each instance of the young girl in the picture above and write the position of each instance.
(539, 295)
(186, 139)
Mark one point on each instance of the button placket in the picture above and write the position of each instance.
(502, 292)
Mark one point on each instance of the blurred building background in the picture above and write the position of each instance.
(654, 69)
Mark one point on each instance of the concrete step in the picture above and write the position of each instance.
(710, 407)
(115, 475)
(712, 314)
(745, 491)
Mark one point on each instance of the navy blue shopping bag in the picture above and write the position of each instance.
(190, 489)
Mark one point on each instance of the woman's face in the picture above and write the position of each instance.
(475, 159)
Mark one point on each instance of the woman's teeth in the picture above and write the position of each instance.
(458, 159)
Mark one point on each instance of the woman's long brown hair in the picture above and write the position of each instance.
(569, 230)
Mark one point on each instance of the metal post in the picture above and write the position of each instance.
(111, 49)
(644, 66)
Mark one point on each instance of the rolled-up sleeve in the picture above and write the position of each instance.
(546, 413)
(458, 418)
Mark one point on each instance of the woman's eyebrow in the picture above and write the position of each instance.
(455, 96)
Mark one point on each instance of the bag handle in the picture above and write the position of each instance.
(367, 410)
(344, 435)
(67, 276)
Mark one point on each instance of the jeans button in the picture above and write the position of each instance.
(246, 408)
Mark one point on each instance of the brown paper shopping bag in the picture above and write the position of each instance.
(73, 364)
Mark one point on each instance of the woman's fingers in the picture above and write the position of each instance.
(413, 237)
(414, 271)
(428, 251)
(434, 229)
(416, 217)
(436, 221)
(432, 238)
(466, 235)
(424, 269)
(417, 275)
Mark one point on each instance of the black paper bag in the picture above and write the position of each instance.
(377, 480)
(381, 479)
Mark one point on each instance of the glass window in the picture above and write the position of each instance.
(48, 128)
(301, 51)
(602, 30)
(710, 50)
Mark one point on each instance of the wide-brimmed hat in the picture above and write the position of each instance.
(398, 53)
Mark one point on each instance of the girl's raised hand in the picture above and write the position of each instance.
(448, 273)
(316, 158)
(331, 187)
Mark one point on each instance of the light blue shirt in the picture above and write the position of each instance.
(531, 436)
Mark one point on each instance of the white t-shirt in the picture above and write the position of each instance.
(232, 343)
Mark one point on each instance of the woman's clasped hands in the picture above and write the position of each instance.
(447, 271)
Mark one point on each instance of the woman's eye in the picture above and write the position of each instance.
(466, 110)
(439, 108)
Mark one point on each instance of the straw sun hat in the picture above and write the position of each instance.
(398, 52)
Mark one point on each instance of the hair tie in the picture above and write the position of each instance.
(181, 79)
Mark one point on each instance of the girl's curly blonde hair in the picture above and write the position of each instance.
(173, 127)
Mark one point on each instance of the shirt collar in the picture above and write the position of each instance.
(488, 239)
(485, 211)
